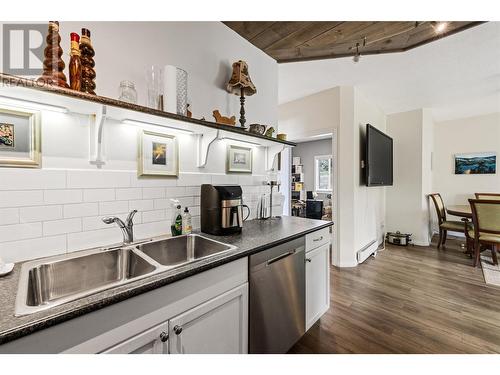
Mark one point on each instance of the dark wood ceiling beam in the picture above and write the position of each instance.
(276, 32)
(249, 30)
(303, 35)
(303, 40)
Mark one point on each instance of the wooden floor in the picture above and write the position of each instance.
(409, 300)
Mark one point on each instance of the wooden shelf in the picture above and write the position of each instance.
(89, 103)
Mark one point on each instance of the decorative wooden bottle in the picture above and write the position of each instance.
(53, 64)
(87, 58)
(75, 64)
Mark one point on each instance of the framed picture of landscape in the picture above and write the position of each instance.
(476, 163)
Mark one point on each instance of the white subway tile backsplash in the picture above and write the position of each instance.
(28, 179)
(16, 232)
(194, 210)
(156, 215)
(162, 204)
(9, 216)
(18, 251)
(93, 223)
(97, 179)
(152, 182)
(62, 196)
(176, 192)
(80, 209)
(141, 205)
(153, 229)
(127, 194)
(40, 213)
(195, 222)
(245, 180)
(194, 179)
(98, 195)
(153, 192)
(20, 198)
(186, 201)
(66, 214)
(193, 191)
(95, 238)
(106, 208)
(52, 228)
(223, 179)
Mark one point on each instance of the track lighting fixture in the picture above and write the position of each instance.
(357, 54)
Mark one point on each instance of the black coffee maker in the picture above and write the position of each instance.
(221, 209)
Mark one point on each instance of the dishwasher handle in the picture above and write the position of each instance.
(279, 257)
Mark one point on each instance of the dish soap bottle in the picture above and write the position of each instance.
(186, 222)
(176, 226)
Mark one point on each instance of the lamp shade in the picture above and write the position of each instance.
(240, 79)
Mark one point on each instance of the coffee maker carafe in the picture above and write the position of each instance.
(221, 209)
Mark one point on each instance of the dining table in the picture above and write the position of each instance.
(462, 210)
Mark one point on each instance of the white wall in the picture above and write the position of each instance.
(369, 202)
(310, 116)
(407, 207)
(358, 211)
(59, 208)
(472, 134)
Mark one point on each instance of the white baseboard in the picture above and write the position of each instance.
(421, 243)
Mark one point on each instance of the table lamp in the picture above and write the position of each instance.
(241, 84)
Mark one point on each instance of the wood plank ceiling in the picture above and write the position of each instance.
(305, 40)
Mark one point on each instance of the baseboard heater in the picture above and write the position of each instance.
(366, 251)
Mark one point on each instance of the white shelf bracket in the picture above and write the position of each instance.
(271, 154)
(96, 137)
(204, 141)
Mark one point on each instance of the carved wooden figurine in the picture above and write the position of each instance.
(87, 59)
(269, 132)
(53, 64)
(222, 119)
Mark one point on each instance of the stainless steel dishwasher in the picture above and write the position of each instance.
(277, 297)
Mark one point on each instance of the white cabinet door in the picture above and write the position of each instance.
(317, 284)
(152, 341)
(219, 325)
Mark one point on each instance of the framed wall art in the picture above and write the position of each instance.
(239, 159)
(20, 138)
(476, 163)
(158, 154)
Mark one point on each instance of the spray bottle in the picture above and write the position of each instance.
(176, 223)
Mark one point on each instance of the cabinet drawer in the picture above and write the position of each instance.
(317, 239)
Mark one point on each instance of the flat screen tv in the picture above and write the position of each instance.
(378, 163)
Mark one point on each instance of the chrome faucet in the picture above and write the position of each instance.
(127, 227)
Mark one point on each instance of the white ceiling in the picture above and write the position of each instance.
(457, 76)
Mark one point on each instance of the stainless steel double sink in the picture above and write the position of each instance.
(48, 282)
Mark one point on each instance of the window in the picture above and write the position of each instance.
(323, 173)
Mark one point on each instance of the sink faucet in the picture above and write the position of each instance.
(127, 227)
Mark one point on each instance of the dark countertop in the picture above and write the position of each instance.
(257, 235)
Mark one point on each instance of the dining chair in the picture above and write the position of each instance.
(490, 196)
(445, 225)
(486, 232)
